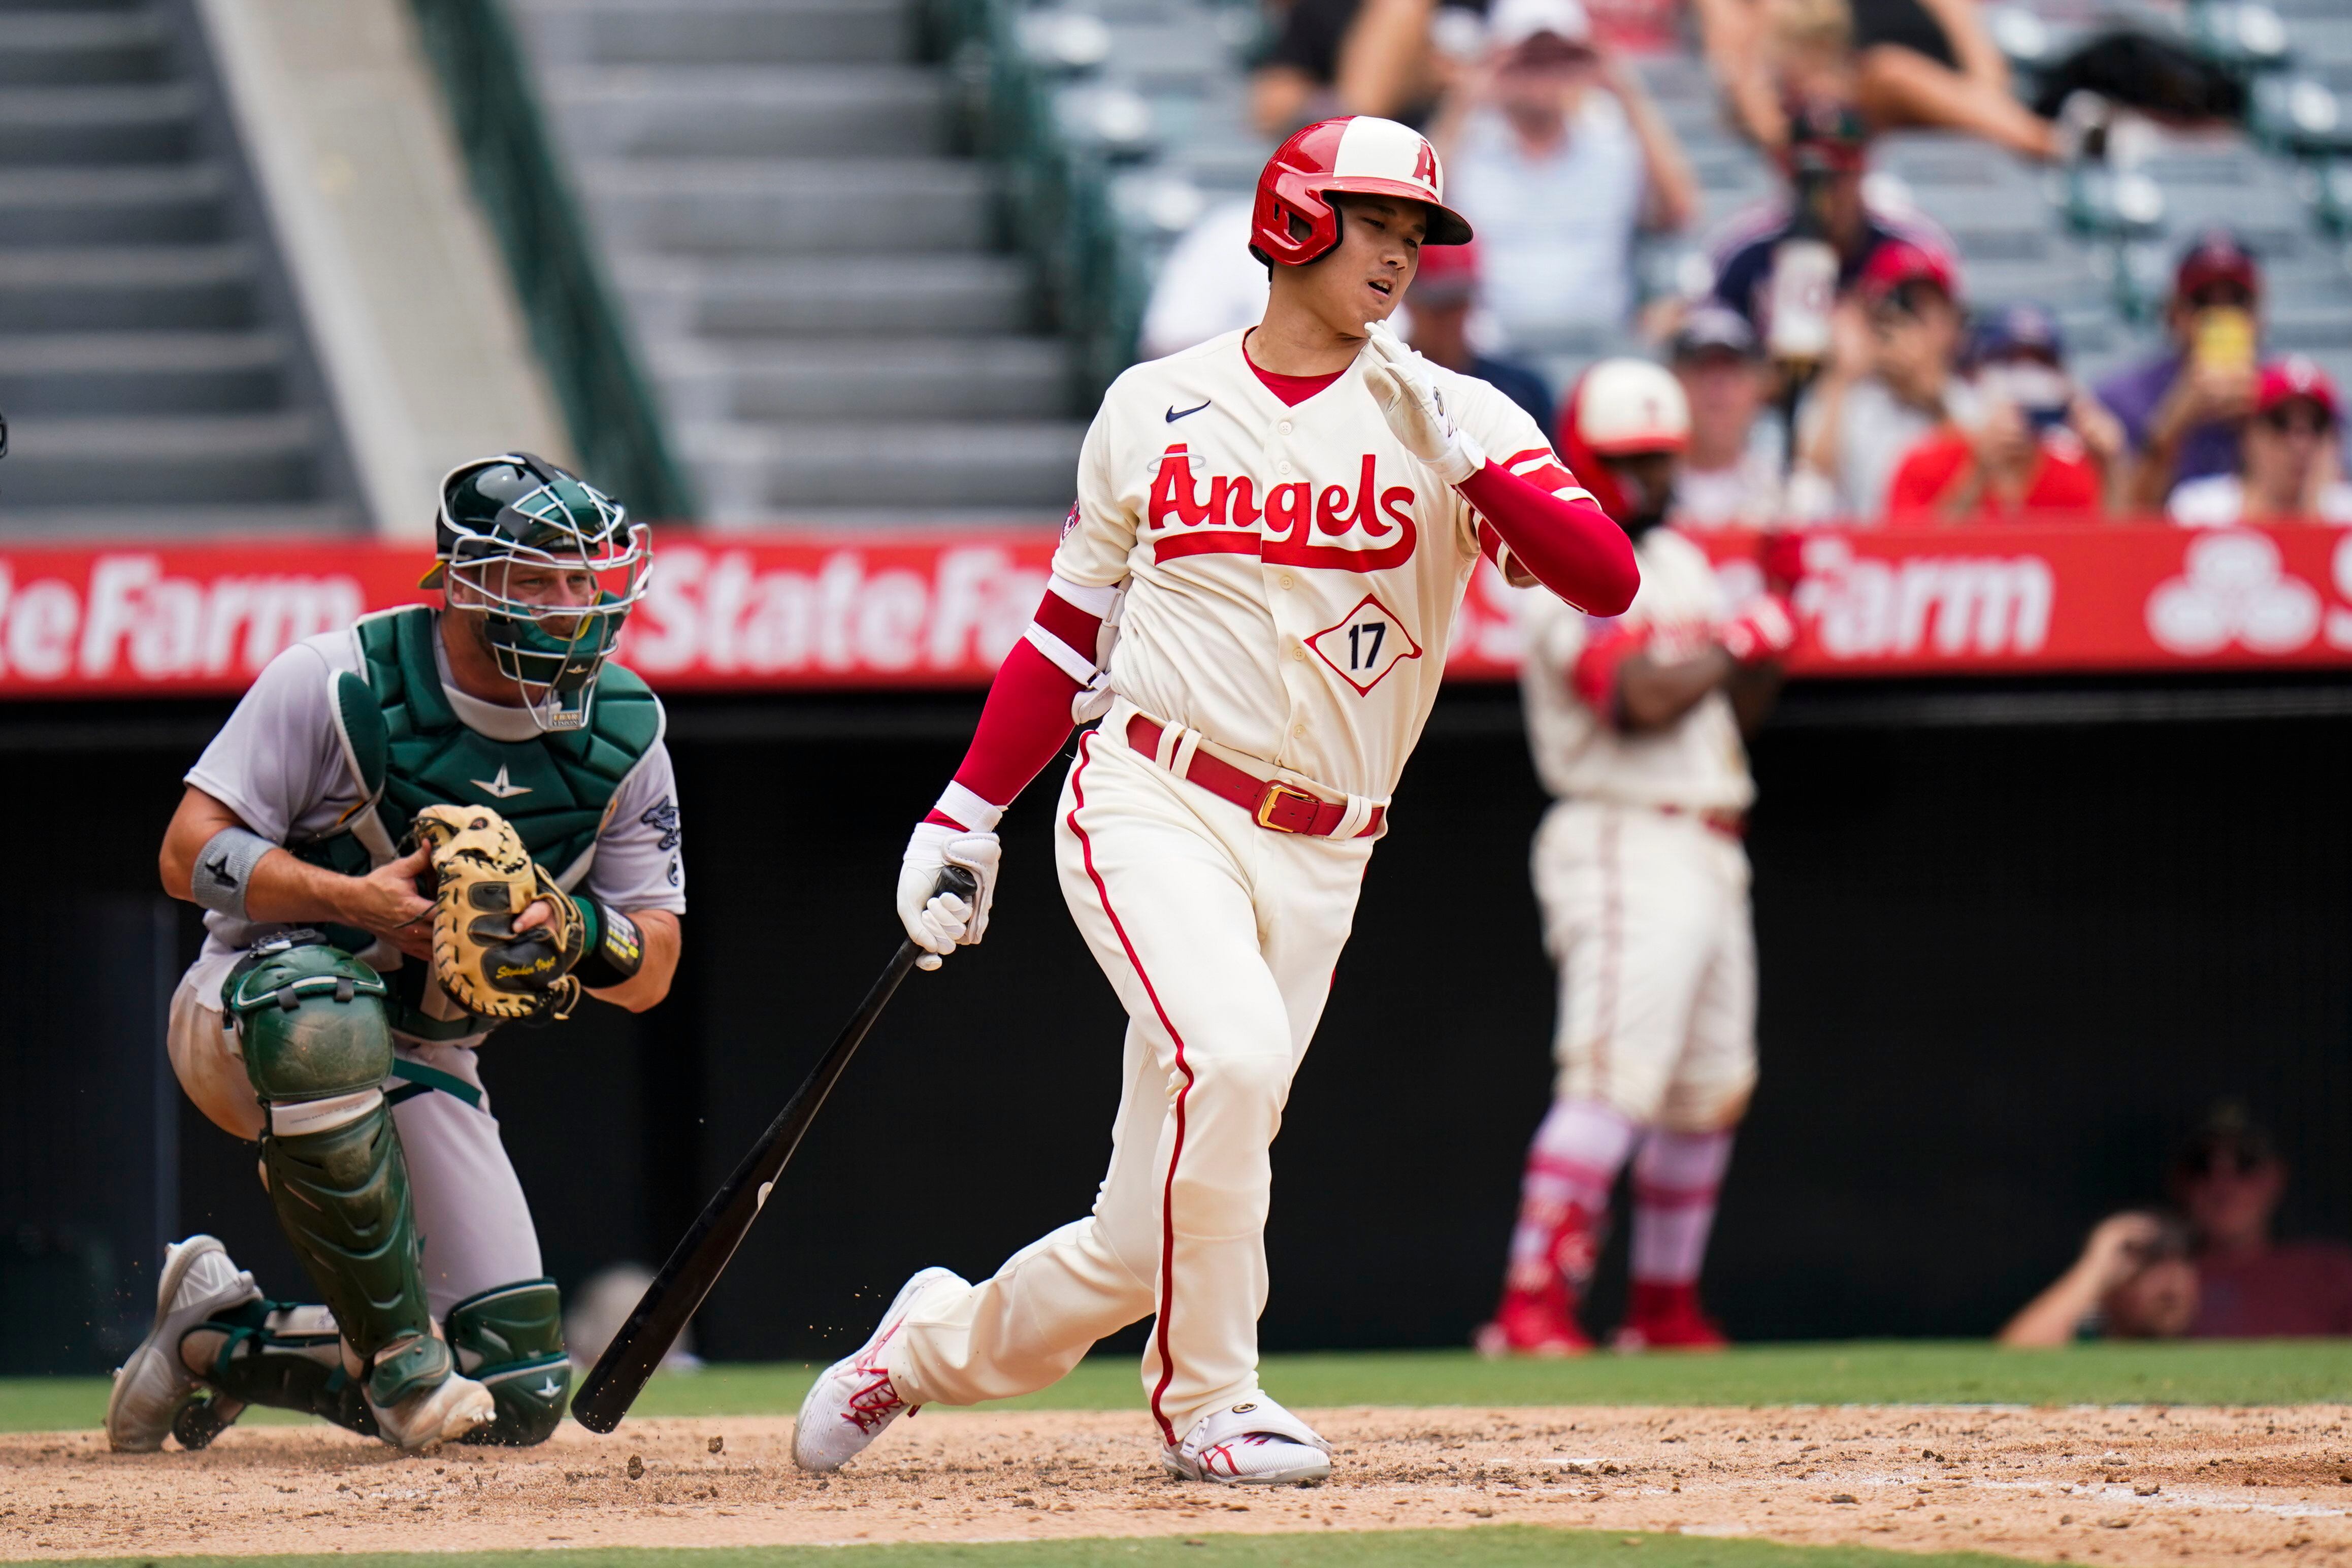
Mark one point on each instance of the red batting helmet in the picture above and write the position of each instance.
(1356, 152)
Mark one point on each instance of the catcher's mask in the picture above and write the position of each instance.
(553, 563)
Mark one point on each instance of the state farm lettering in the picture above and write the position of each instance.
(905, 608)
(1230, 517)
(125, 619)
(1985, 605)
(946, 614)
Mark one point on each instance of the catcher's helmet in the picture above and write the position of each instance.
(1292, 222)
(519, 509)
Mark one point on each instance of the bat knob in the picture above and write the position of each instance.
(957, 880)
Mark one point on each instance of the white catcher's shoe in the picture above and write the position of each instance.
(1255, 1443)
(852, 1400)
(152, 1383)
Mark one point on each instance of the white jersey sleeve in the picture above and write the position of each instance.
(640, 864)
(275, 764)
(1695, 764)
(1098, 538)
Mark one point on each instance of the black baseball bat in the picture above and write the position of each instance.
(619, 1375)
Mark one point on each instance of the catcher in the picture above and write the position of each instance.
(407, 834)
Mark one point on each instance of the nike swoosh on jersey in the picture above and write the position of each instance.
(1174, 414)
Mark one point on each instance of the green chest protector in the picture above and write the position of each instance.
(407, 749)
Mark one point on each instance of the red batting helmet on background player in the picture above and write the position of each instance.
(1293, 223)
(1621, 408)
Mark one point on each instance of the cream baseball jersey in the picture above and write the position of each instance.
(1696, 763)
(1292, 573)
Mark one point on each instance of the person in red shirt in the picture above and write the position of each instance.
(2228, 1182)
(2039, 448)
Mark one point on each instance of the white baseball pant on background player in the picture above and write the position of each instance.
(1644, 885)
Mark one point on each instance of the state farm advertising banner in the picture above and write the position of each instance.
(811, 611)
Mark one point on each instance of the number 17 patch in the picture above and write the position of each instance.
(1366, 645)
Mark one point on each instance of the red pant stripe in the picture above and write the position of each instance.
(1167, 1192)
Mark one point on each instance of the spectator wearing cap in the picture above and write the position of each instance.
(1889, 384)
(2132, 1282)
(1827, 155)
(2040, 449)
(2288, 468)
(1558, 158)
(1439, 310)
(2180, 410)
(1730, 477)
(2228, 1181)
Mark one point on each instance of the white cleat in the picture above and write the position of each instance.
(442, 1413)
(1256, 1443)
(152, 1383)
(852, 1400)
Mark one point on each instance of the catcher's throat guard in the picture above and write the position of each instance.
(553, 566)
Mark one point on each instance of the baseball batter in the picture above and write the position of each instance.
(1635, 721)
(321, 1019)
(1253, 593)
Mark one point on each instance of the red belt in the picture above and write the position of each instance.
(1283, 809)
(1730, 824)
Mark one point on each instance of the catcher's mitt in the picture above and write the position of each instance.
(485, 878)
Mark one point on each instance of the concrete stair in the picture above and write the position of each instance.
(836, 330)
(153, 379)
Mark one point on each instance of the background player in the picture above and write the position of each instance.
(335, 1047)
(1279, 523)
(1635, 723)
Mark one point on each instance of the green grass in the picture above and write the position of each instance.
(2274, 1371)
(1490, 1546)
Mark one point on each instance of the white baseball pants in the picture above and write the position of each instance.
(1646, 917)
(1219, 938)
(471, 1214)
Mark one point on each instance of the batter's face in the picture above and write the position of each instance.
(1364, 277)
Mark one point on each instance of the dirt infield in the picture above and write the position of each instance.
(2114, 1486)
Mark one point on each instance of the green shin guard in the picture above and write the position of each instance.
(310, 1020)
(286, 1357)
(511, 1340)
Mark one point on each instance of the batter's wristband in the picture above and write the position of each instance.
(223, 873)
(611, 950)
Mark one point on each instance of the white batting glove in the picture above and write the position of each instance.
(1410, 400)
(938, 923)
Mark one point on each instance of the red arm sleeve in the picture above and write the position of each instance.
(1571, 546)
(1027, 715)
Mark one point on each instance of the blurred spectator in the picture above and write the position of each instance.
(1889, 383)
(1439, 305)
(1905, 63)
(1558, 157)
(2180, 410)
(2289, 466)
(1209, 285)
(1824, 163)
(2132, 1282)
(2041, 447)
(2228, 1181)
(1346, 56)
(1732, 469)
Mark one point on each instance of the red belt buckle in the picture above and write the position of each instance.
(1287, 810)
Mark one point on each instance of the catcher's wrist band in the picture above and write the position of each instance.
(613, 951)
(224, 869)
